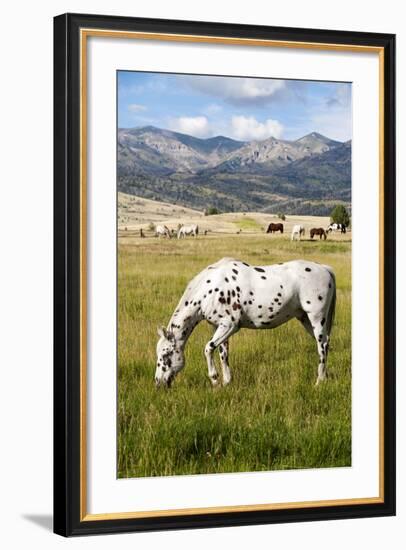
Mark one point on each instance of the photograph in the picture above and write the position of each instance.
(234, 274)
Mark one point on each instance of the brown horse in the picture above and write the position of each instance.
(274, 227)
(318, 231)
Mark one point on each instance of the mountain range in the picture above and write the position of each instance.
(305, 176)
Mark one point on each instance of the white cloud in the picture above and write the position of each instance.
(196, 126)
(238, 127)
(248, 128)
(136, 108)
(240, 90)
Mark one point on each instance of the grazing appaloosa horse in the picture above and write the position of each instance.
(274, 227)
(162, 231)
(297, 232)
(185, 230)
(337, 227)
(232, 294)
(318, 231)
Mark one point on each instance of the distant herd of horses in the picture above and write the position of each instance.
(298, 231)
(191, 230)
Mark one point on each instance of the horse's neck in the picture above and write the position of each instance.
(183, 321)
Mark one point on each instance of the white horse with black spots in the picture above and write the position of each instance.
(185, 230)
(337, 227)
(297, 232)
(231, 295)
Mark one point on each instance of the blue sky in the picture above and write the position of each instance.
(240, 108)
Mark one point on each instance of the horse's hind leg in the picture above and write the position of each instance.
(318, 325)
(223, 350)
(223, 332)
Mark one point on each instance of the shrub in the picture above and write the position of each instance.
(340, 214)
(211, 211)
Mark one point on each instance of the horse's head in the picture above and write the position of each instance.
(170, 358)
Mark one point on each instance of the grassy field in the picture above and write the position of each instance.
(271, 417)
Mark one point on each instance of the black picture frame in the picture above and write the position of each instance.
(67, 288)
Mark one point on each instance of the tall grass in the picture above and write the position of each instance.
(271, 416)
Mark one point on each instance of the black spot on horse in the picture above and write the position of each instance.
(186, 303)
(221, 293)
(214, 312)
(212, 345)
(279, 294)
(234, 278)
(260, 307)
(323, 321)
(216, 290)
(252, 294)
(281, 286)
(235, 271)
(226, 280)
(228, 300)
(233, 293)
(329, 285)
(238, 289)
(228, 313)
(222, 300)
(307, 269)
(263, 277)
(308, 302)
(210, 291)
(244, 263)
(320, 297)
(250, 303)
(259, 269)
(208, 281)
(259, 316)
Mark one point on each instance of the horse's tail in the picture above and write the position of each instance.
(332, 308)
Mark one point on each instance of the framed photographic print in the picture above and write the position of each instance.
(224, 274)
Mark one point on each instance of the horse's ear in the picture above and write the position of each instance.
(162, 332)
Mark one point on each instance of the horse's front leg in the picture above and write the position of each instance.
(223, 350)
(223, 332)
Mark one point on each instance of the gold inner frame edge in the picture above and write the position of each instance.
(84, 34)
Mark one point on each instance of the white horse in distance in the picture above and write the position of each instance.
(185, 230)
(231, 295)
(297, 232)
(162, 231)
